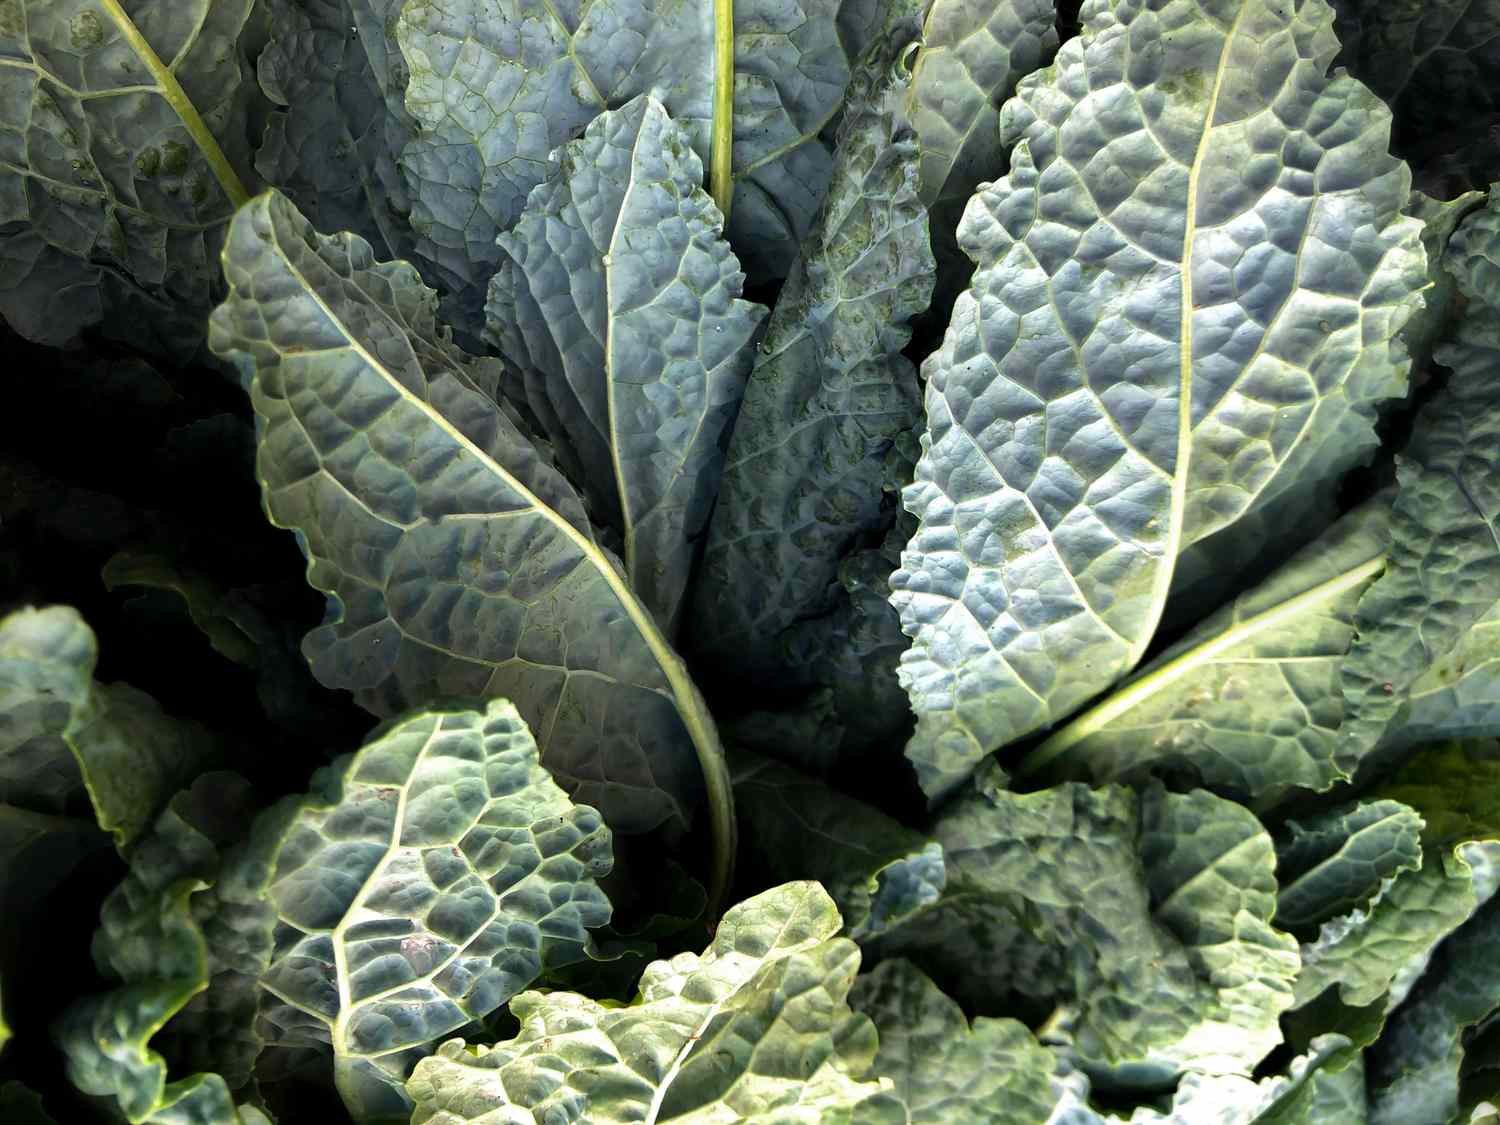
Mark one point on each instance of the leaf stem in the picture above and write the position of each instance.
(176, 97)
(721, 140)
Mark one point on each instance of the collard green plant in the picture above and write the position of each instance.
(850, 562)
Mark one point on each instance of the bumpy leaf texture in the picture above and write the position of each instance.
(1443, 576)
(428, 880)
(620, 301)
(991, 1073)
(1248, 702)
(829, 395)
(495, 88)
(1147, 915)
(459, 562)
(1185, 308)
(124, 146)
(1337, 860)
(757, 1029)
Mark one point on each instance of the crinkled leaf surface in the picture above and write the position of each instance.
(179, 950)
(1248, 703)
(459, 562)
(756, 1029)
(991, 1073)
(1459, 694)
(877, 871)
(1148, 913)
(429, 879)
(1444, 571)
(1168, 329)
(338, 81)
(620, 301)
(1337, 860)
(124, 142)
(495, 88)
(829, 395)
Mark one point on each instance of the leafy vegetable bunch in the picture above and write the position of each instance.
(853, 561)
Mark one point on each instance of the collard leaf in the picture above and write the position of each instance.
(496, 88)
(620, 300)
(1144, 356)
(1147, 915)
(126, 127)
(1443, 576)
(185, 936)
(458, 561)
(1459, 695)
(1248, 703)
(430, 878)
(756, 1029)
(828, 397)
(1337, 861)
(991, 1073)
(877, 871)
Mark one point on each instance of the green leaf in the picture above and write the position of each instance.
(993, 1073)
(127, 131)
(185, 936)
(1414, 1069)
(60, 725)
(1146, 915)
(829, 395)
(1144, 358)
(431, 877)
(620, 301)
(756, 1029)
(1247, 703)
(1338, 860)
(458, 561)
(1459, 694)
(878, 872)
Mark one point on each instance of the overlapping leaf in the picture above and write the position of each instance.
(1337, 861)
(428, 880)
(829, 395)
(620, 301)
(125, 140)
(756, 1029)
(1168, 330)
(458, 561)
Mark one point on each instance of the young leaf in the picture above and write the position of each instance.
(1338, 860)
(430, 878)
(878, 872)
(185, 936)
(991, 1073)
(757, 1025)
(496, 87)
(126, 129)
(829, 395)
(1169, 328)
(1147, 915)
(458, 561)
(620, 300)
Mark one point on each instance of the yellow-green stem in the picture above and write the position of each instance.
(721, 143)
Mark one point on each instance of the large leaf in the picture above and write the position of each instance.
(495, 87)
(126, 140)
(1175, 323)
(1247, 703)
(458, 561)
(991, 1073)
(1145, 915)
(877, 871)
(1443, 576)
(429, 879)
(184, 936)
(621, 303)
(828, 397)
(1459, 695)
(756, 1029)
